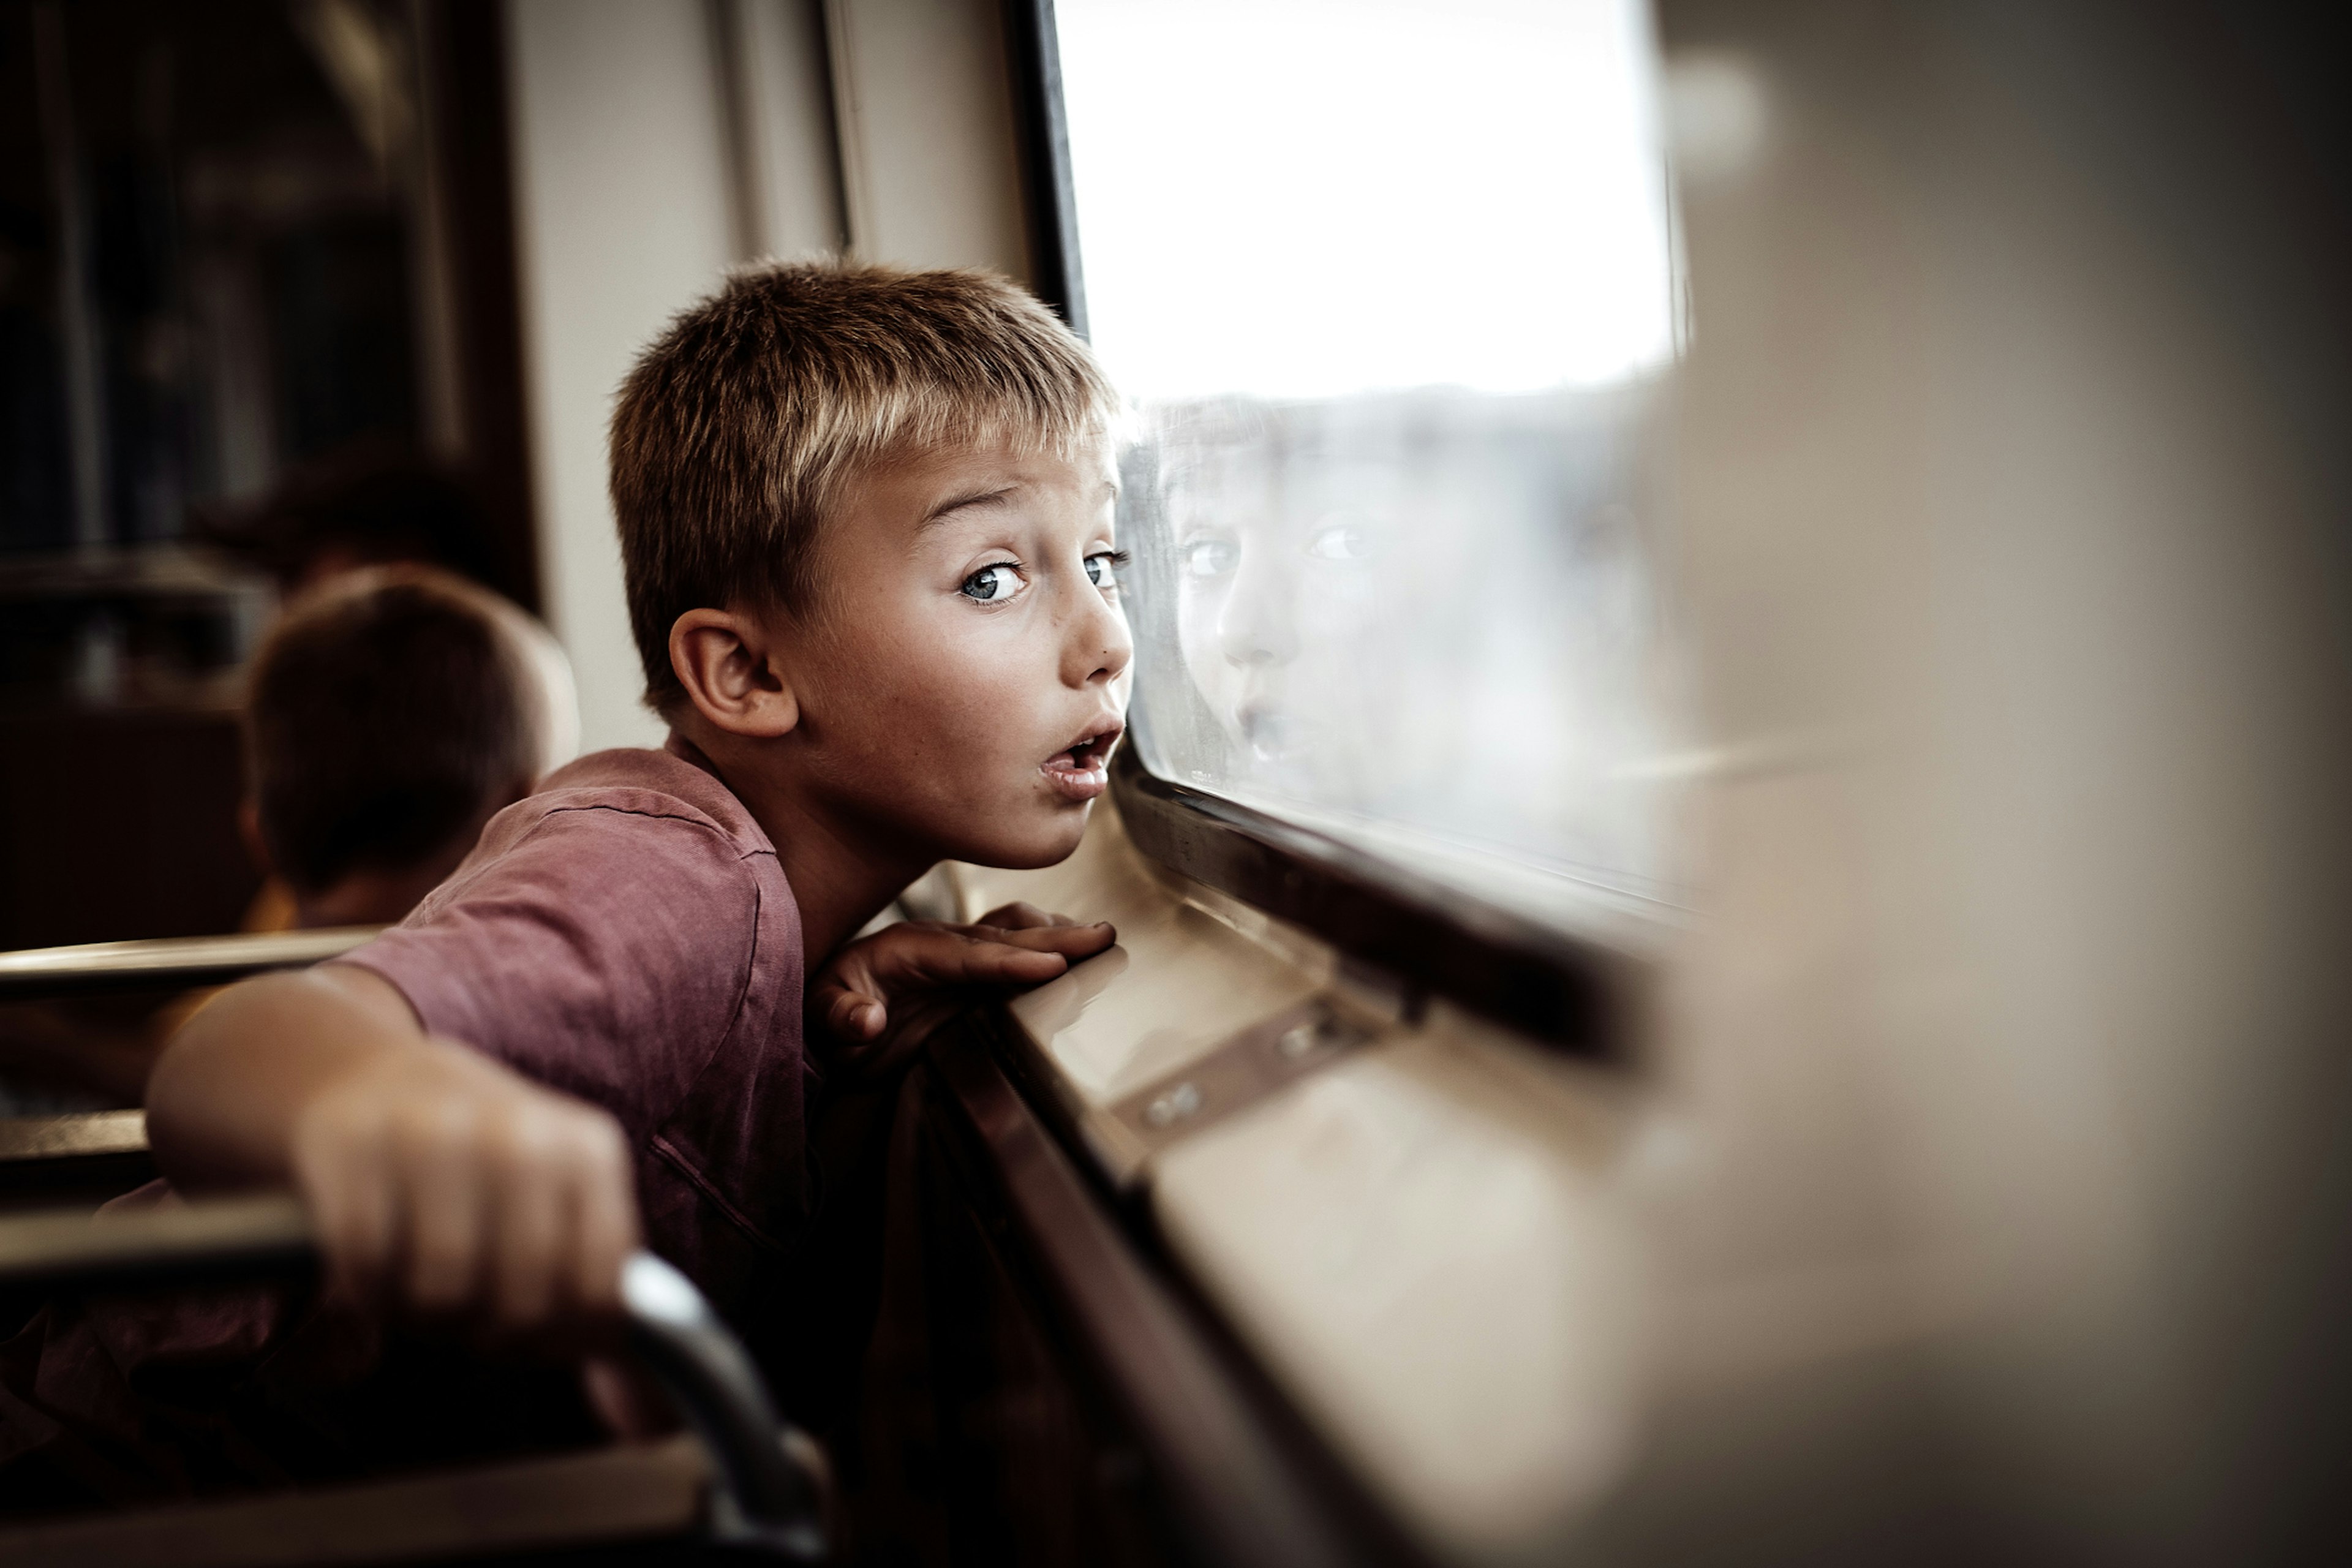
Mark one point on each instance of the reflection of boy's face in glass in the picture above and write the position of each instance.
(1432, 610)
(1383, 611)
(1283, 582)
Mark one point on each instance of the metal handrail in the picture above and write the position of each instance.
(36, 972)
(772, 1486)
(775, 1482)
(78, 1135)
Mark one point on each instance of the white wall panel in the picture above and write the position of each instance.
(793, 166)
(929, 169)
(622, 218)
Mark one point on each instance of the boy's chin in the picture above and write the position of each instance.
(1046, 842)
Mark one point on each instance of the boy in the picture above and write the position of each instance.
(866, 517)
(388, 715)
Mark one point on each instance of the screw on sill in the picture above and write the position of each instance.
(1174, 1105)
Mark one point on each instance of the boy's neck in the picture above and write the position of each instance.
(840, 878)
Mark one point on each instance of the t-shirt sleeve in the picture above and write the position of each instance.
(604, 954)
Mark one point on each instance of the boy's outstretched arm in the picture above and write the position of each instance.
(440, 1182)
(444, 1184)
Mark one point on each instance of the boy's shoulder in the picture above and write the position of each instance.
(616, 840)
(632, 900)
(674, 784)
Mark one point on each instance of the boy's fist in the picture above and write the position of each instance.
(444, 1185)
(884, 994)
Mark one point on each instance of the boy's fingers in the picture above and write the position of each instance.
(529, 1235)
(447, 1223)
(1002, 961)
(353, 1205)
(1020, 916)
(853, 994)
(604, 1196)
(1069, 941)
(976, 954)
(856, 1016)
(371, 1230)
(958, 956)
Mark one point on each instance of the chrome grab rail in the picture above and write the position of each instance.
(79, 1135)
(775, 1481)
(219, 1239)
(32, 973)
(772, 1484)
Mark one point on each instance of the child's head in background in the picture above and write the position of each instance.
(867, 520)
(389, 715)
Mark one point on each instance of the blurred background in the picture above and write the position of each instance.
(287, 288)
(257, 315)
(1858, 493)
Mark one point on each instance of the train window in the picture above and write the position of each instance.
(1389, 292)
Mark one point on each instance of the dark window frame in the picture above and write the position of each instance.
(1564, 990)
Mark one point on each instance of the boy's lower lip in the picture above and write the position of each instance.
(1073, 781)
(1083, 772)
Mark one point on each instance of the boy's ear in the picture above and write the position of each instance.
(732, 668)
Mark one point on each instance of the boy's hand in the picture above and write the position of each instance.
(883, 995)
(443, 1185)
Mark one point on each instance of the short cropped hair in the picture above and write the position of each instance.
(737, 429)
(386, 714)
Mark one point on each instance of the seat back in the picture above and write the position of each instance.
(771, 1487)
(79, 1160)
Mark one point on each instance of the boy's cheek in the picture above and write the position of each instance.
(998, 804)
(958, 736)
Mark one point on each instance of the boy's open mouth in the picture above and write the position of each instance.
(1082, 769)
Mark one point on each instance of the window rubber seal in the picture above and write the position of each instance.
(1574, 996)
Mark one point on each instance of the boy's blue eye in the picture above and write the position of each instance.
(1102, 568)
(992, 585)
(1211, 557)
(1343, 541)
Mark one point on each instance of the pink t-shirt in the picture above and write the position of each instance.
(626, 935)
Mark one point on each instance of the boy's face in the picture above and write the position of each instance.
(965, 675)
(1287, 601)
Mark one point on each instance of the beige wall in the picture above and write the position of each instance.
(657, 142)
(621, 217)
(928, 157)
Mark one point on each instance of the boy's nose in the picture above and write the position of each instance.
(1259, 623)
(1098, 645)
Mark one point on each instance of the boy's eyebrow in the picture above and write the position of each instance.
(997, 497)
(941, 512)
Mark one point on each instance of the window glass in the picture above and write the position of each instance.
(1388, 287)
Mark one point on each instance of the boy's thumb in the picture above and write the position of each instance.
(856, 1015)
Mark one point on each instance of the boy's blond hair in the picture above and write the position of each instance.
(737, 429)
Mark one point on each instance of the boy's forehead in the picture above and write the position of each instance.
(906, 499)
(948, 472)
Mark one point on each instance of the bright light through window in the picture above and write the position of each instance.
(1387, 286)
(1300, 197)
